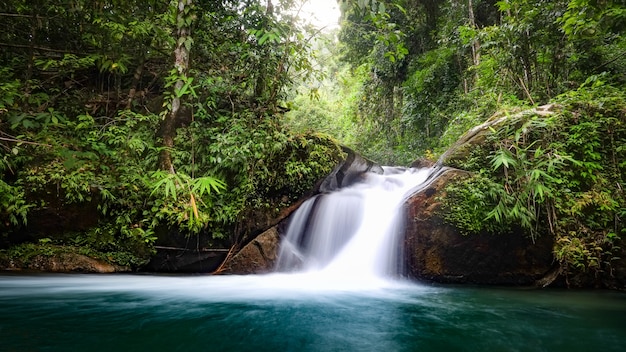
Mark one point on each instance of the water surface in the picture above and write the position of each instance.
(294, 312)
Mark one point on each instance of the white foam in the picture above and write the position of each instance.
(351, 236)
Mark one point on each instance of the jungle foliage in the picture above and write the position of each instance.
(422, 73)
(168, 115)
(560, 174)
(162, 116)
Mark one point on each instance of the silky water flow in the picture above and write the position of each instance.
(350, 236)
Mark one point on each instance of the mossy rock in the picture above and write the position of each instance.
(56, 259)
(458, 154)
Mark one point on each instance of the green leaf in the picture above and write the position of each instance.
(381, 7)
(203, 185)
(188, 43)
(264, 38)
(166, 181)
(503, 157)
(402, 9)
(504, 5)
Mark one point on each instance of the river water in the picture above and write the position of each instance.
(291, 312)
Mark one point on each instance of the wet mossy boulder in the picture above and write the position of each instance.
(348, 171)
(260, 255)
(257, 257)
(437, 251)
(57, 259)
(551, 177)
(459, 153)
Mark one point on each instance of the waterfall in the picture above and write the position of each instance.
(352, 232)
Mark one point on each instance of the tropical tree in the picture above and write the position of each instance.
(150, 110)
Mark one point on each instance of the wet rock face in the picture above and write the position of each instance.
(65, 263)
(257, 257)
(348, 172)
(436, 251)
(421, 163)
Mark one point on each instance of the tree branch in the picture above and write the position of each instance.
(23, 141)
(37, 48)
(18, 15)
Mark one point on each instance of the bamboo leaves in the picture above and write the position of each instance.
(184, 200)
(560, 175)
(503, 157)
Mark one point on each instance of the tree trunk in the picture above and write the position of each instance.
(135, 83)
(261, 83)
(475, 42)
(181, 63)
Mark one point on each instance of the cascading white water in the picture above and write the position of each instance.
(353, 232)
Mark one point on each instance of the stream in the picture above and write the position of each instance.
(294, 312)
(338, 287)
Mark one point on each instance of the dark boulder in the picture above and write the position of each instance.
(348, 171)
(257, 257)
(62, 263)
(437, 251)
(185, 260)
(422, 163)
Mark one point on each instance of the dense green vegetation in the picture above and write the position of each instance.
(169, 117)
(559, 173)
(413, 76)
(159, 117)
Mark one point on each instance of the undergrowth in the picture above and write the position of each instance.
(561, 174)
(226, 169)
